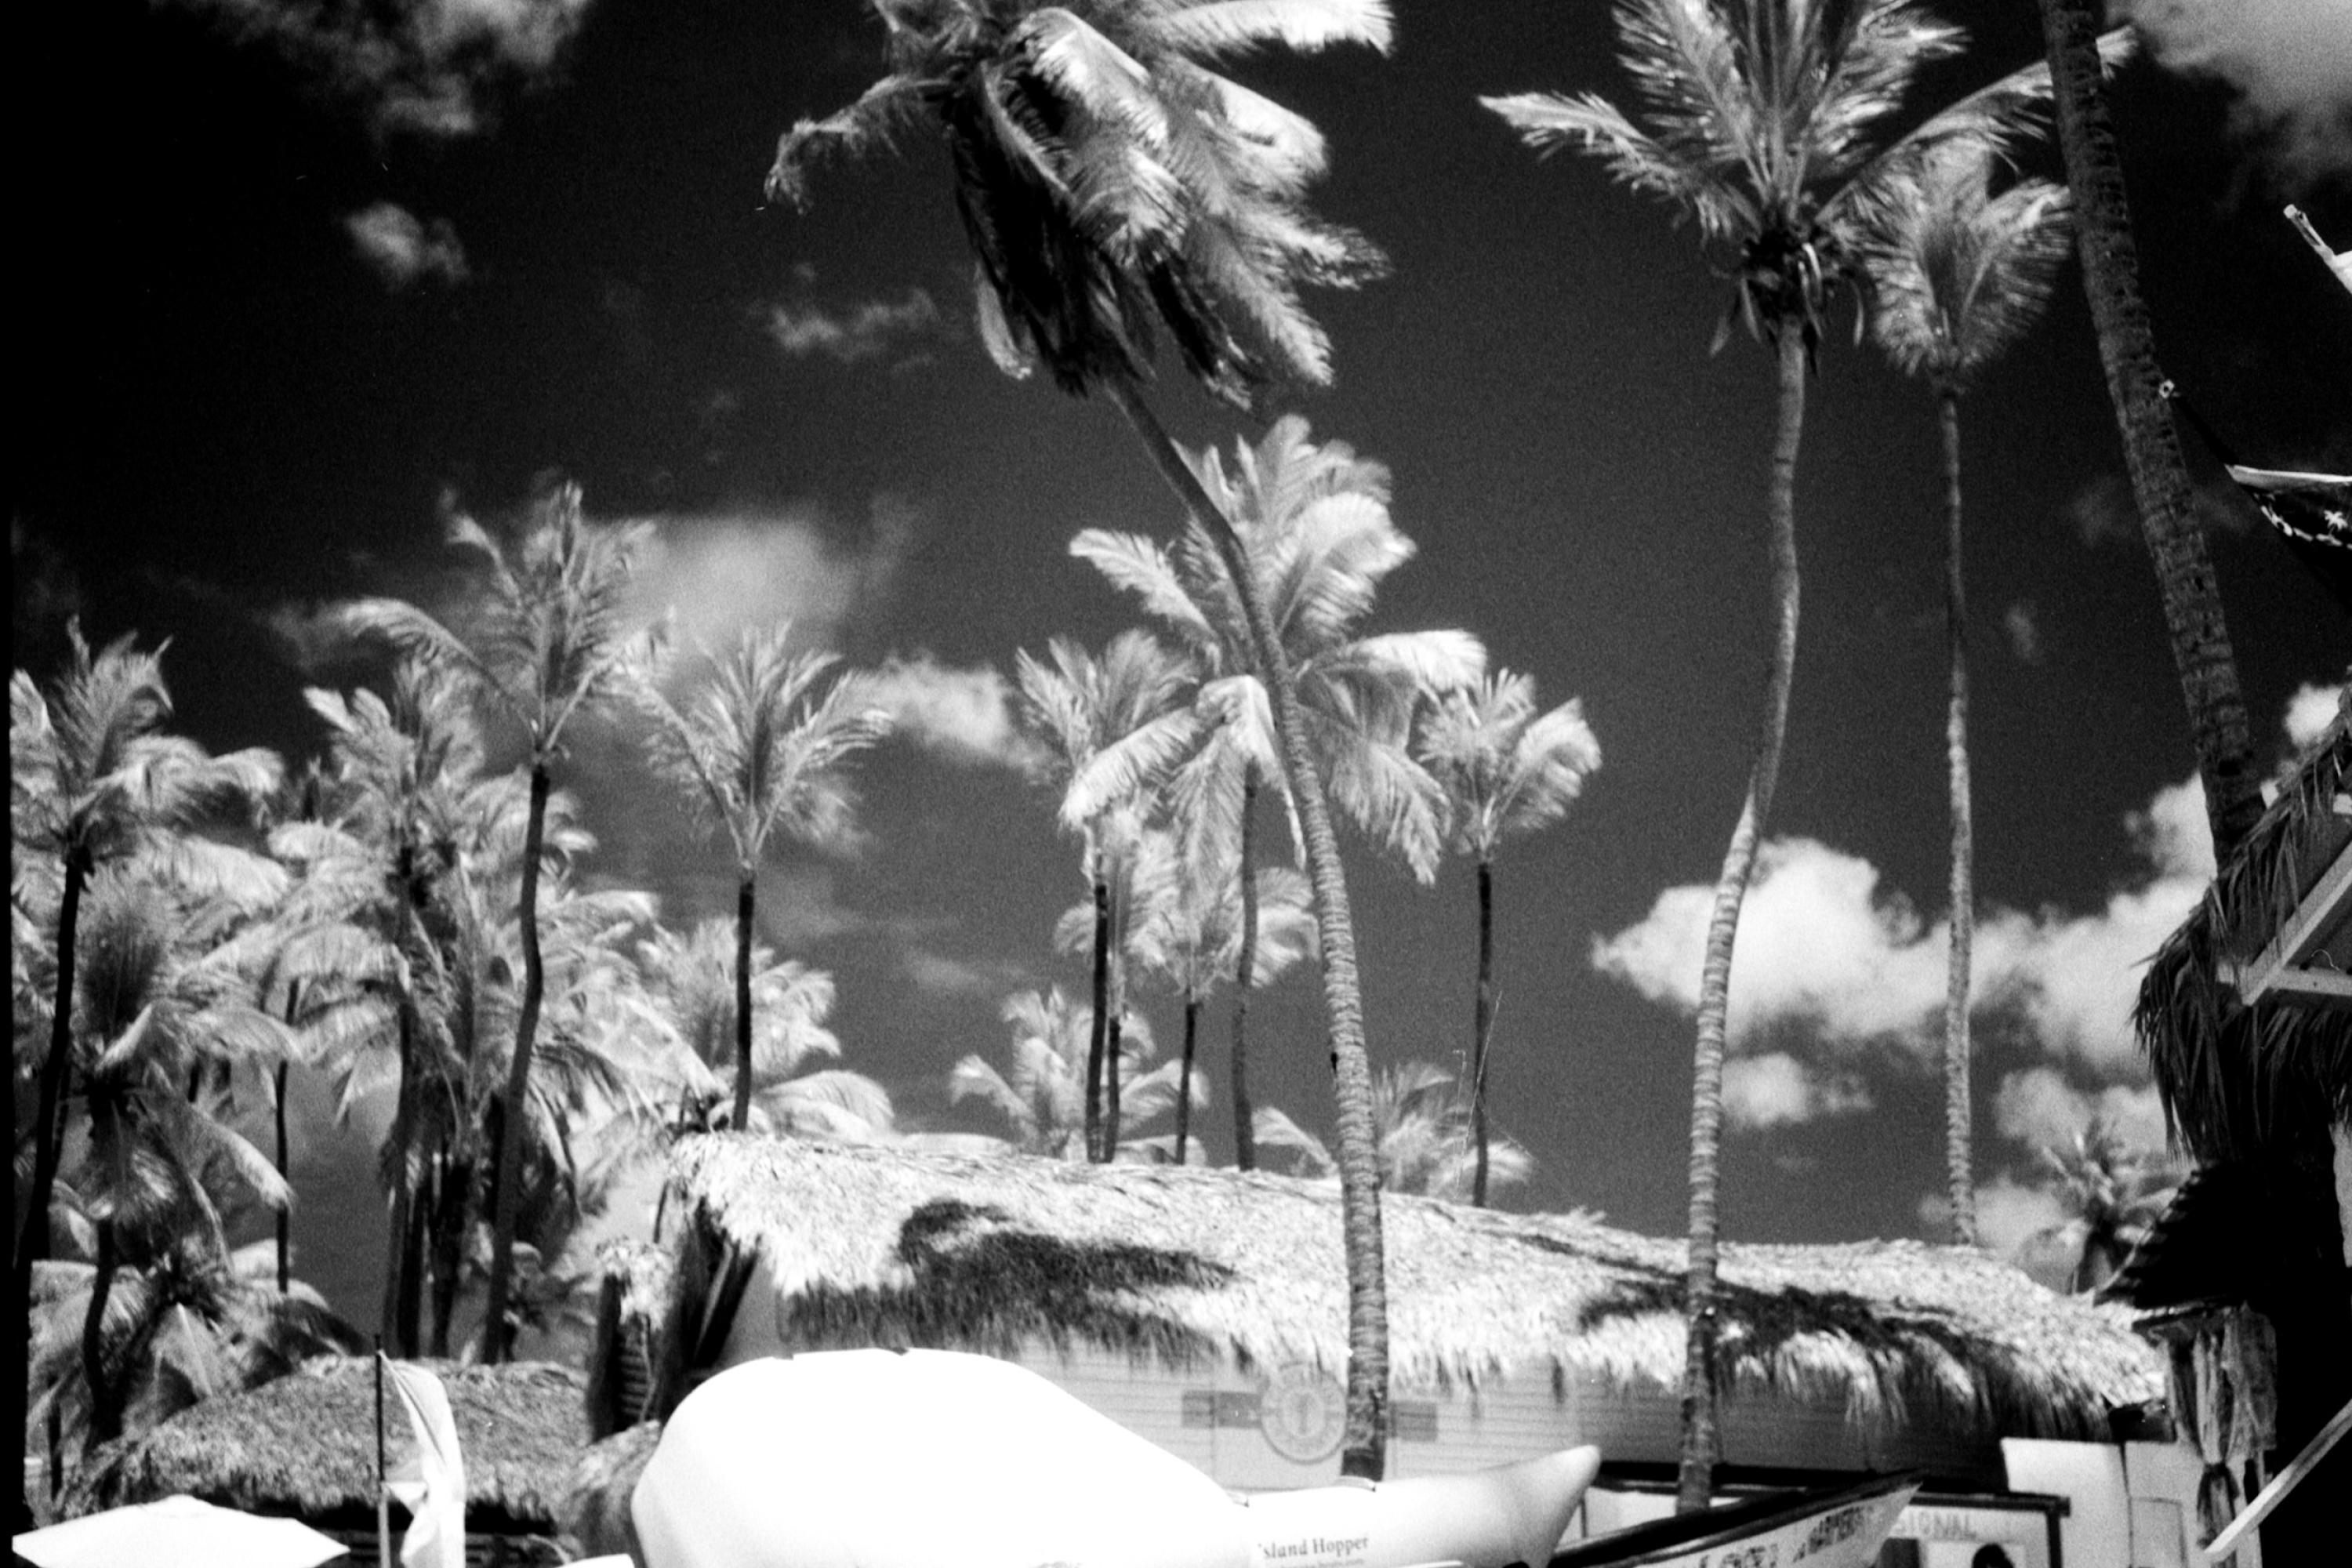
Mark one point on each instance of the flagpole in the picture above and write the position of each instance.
(383, 1496)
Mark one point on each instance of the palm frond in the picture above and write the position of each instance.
(1212, 29)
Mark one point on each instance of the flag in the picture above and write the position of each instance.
(2312, 513)
(431, 1482)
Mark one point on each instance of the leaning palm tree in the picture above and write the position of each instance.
(1507, 769)
(549, 640)
(93, 781)
(2113, 1194)
(1077, 707)
(1113, 186)
(760, 750)
(1424, 1136)
(1763, 122)
(2201, 651)
(1958, 275)
(1314, 524)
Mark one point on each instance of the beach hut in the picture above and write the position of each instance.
(2246, 1016)
(1206, 1310)
(304, 1446)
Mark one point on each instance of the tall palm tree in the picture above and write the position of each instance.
(1044, 1094)
(1424, 1136)
(2199, 634)
(693, 978)
(1077, 707)
(760, 749)
(158, 999)
(1314, 524)
(1507, 769)
(1957, 276)
(549, 640)
(1112, 185)
(1188, 933)
(93, 779)
(1764, 123)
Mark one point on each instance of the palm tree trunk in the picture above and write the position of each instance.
(285, 1211)
(1959, 1144)
(452, 1183)
(105, 1417)
(1245, 971)
(396, 1283)
(1484, 1024)
(505, 1155)
(2201, 652)
(744, 892)
(1700, 1442)
(1114, 1041)
(1184, 1074)
(1365, 1445)
(33, 1238)
(1098, 1030)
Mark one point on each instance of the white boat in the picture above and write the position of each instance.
(913, 1459)
(1842, 1528)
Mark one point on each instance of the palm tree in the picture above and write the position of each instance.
(548, 643)
(1044, 1096)
(92, 781)
(2112, 1193)
(1188, 933)
(1958, 275)
(1762, 121)
(759, 750)
(159, 998)
(2201, 650)
(1314, 523)
(1507, 770)
(1077, 708)
(1111, 187)
(1424, 1127)
(693, 978)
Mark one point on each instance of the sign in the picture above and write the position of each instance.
(1303, 1412)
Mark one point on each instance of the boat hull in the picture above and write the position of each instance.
(1840, 1529)
(882, 1459)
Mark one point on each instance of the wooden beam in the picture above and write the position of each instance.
(2278, 967)
(2281, 1484)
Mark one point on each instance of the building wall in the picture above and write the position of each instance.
(1280, 1426)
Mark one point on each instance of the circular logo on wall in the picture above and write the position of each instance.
(1303, 1412)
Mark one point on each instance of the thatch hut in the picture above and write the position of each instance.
(2246, 1016)
(1206, 1310)
(304, 1446)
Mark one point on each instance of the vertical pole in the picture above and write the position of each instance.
(383, 1496)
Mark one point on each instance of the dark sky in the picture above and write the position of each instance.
(280, 295)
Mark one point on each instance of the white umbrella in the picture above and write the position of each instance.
(181, 1531)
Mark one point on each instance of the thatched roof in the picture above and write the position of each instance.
(2236, 1078)
(874, 1246)
(305, 1445)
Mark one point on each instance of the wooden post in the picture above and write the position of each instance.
(383, 1496)
(2283, 1483)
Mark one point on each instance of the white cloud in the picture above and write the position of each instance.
(989, 980)
(964, 715)
(1777, 1090)
(2289, 63)
(2014, 1221)
(2038, 1109)
(718, 572)
(423, 66)
(864, 332)
(2309, 712)
(405, 250)
(2023, 629)
(1821, 944)
(1818, 942)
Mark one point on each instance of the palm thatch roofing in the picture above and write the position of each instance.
(304, 1445)
(2235, 1077)
(874, 1246)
